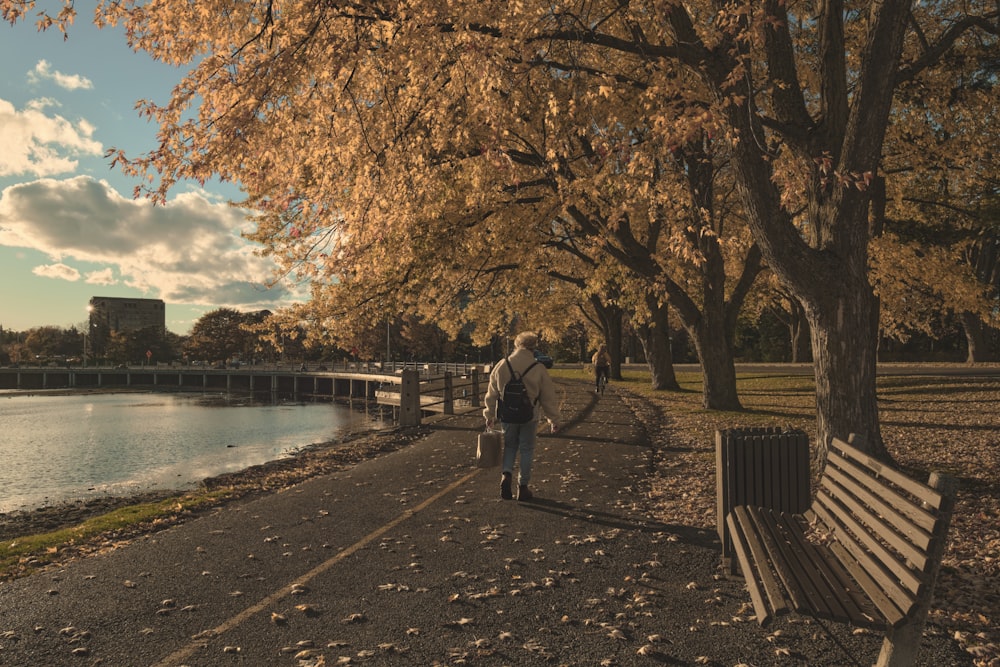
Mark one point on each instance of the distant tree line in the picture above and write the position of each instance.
(228, 336)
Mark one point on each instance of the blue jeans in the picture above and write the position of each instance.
(519, 438)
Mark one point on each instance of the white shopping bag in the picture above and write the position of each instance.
(489, 448)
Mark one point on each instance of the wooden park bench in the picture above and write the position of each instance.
(867, 551)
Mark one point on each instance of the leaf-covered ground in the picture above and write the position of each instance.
(931, 423)
(950, 425)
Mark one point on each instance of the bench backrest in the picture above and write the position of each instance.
(886, 527)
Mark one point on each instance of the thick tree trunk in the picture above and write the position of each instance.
(718, 367)
(844, 326)
(713, 326)
(655, 338)
(615, 348)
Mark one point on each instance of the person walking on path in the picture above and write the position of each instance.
(521, 438)
(602, 366)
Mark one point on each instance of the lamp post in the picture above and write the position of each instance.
(90, 324)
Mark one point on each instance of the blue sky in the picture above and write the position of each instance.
(69, 227)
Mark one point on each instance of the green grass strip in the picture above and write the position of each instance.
(15, 552)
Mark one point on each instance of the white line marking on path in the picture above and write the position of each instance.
(176, 658)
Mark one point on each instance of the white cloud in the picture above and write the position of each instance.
(43, 72)
(102, 277)
(188, 251)
(37, 144)
(58, 271)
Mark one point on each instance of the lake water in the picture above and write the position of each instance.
(69, 447)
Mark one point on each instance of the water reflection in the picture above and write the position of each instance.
(58, 448)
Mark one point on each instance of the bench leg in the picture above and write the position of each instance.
(899, 648)
(732, 567)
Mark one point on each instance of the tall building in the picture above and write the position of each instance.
(108, 313)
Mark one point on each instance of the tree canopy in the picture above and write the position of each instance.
(408, 156)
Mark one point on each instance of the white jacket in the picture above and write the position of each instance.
(537, 382)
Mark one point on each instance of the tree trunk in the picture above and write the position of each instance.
(655, 338)
(799, 332)
(718, 367)
(978, 342)
(610, 317)
(844, 327)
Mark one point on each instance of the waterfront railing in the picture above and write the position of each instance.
(412, 389)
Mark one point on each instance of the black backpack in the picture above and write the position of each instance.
(515, 406)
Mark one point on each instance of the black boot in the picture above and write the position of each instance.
(505, 491)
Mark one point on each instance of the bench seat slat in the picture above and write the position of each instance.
(756, 572)
(780, 560)
(865, 569)
(868, 615)
(775, 593)
(843, 599)
(802, 560)
(885, 614)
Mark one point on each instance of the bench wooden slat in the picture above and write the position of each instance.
(916, 536)
(803, 561)
(907, 565)
(884, 592)
(844, 599)
(782, 563)
(785, 566)
(897, 579)
(756, 541)
(886, 613)
(918, 489)
(868, 614)
(911, 556)
(901, 511)
(756, 572)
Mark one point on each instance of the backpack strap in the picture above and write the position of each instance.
(513, 373)
(539, 397)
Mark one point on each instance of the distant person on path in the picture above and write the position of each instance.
(521, 437)
(602, 366)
